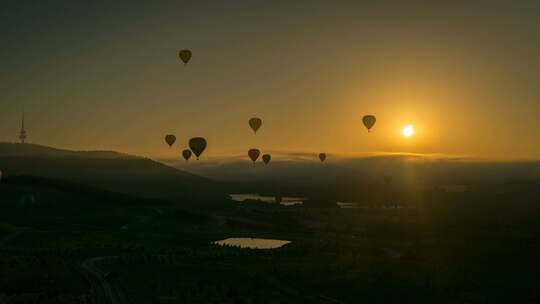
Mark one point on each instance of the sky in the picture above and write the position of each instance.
(100, 75)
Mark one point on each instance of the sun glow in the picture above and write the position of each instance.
(408, 131)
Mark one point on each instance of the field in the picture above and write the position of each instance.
(444, 251)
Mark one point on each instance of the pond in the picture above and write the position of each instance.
(249, 196)
(285, 200)
(291, 201)
(254, 243)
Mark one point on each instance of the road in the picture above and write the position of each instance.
(103, 291)
(8, 238)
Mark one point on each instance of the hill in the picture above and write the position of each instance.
(355, 178)
(33, 150)
(30, 201)
(372, 169)
(106, 170)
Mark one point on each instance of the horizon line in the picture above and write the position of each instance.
(295, 155)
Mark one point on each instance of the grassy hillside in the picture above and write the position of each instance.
(107, 170)
(48, 226)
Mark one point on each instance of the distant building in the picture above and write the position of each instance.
(22, 135)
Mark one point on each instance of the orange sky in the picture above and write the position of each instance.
(107, 76)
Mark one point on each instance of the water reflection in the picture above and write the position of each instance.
(285, 200)
(290, 201)
(254, 243)
(250, 196)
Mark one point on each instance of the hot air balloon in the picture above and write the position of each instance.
(322, 157)
(266, 158)
(369, 121)
(254, 154)
(185, 56)
(170, 140)
(255, 123)
(197, 145)
(186, 154)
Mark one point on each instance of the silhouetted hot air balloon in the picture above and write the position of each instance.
(185, 56)
(322, 157)
(197, 145)
(186, 154)
(254, 154)
(388, 179)
(266, 158)
(255, 123)
(369, 121)
(170, 140)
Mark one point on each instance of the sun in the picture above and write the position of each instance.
(408, 131)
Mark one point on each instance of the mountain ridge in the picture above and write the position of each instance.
(36, 150)
(108, 170)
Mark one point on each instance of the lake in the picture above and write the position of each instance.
(254, 243)
(285, 201)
